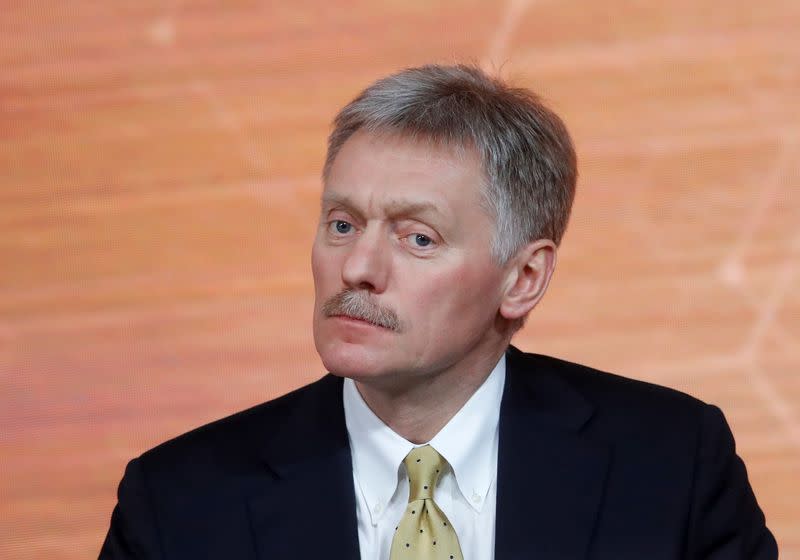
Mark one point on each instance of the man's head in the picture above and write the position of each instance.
(446, 193)
(527, 158)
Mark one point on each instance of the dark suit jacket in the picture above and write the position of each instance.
(590, 466)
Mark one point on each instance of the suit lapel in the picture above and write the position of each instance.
(550, 477)
(306, 506)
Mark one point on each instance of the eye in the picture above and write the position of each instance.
(340, 226)
(420, 240)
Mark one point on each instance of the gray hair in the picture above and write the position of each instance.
(525, 149)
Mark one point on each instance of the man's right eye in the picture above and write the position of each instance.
(340, 226)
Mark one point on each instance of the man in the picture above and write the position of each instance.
(446, 193)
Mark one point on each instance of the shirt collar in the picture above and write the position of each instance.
(468, 442)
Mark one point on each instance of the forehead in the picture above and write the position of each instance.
(395, 170)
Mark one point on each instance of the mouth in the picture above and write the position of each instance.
(358, 321)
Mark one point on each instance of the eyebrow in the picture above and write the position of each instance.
(394, 208)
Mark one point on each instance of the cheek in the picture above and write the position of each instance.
(323, 269)
(466, 291)
(315, 262)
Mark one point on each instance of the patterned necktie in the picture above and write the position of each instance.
(424, 532)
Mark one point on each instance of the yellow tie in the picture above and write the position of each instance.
(424, 532)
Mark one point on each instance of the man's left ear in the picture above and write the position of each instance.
(528, 276)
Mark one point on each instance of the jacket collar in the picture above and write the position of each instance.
(314, 422)
(550, 475)
(312, 427)
(306, 509)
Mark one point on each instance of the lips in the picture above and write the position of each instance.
(359, 320)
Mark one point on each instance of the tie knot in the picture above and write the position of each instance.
(424, 466)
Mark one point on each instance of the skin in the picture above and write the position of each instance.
(402, 224)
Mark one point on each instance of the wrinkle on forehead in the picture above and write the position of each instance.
(450, 152)
(417, 163)
(453, 153)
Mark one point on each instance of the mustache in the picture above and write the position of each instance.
(359, 305)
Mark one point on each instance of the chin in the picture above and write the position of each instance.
(349, 360)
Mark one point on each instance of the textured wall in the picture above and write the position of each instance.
(158, 193)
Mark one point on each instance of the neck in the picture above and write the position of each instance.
(420, 408)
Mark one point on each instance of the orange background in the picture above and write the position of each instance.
(159, 168)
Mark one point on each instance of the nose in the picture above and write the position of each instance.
(367, 264)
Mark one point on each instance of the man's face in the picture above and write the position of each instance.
(405, 282)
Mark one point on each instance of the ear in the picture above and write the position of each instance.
(528, 276)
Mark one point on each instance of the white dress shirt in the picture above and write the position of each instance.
(467, 495)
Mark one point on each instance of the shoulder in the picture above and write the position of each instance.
(601, 387)
(669, 450)
(238, 438)
(617, 406)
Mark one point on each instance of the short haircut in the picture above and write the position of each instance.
(527, 154)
